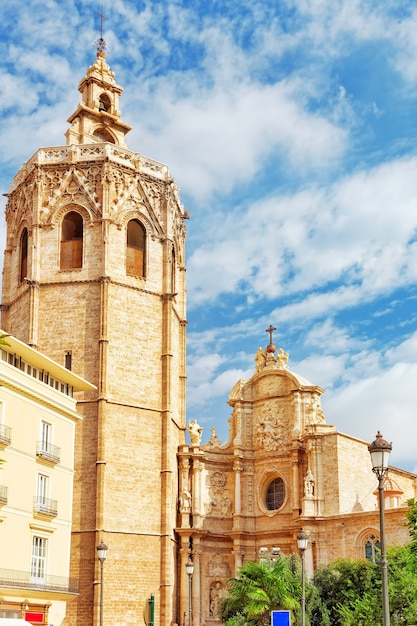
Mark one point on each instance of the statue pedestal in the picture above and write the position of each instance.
(309, 506)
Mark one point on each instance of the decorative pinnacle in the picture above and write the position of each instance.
(270, 347)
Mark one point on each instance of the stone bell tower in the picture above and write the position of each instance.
(94, 277)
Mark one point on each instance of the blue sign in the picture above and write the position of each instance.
(280, 618)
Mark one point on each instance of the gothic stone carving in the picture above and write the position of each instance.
(271, 432)
(220, 503)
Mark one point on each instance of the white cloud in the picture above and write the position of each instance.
(356, 232)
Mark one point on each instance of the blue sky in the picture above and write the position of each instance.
(291, 129)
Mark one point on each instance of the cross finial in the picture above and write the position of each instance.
(270, 330)
(102, 17)
(270, 347)
(101, 44)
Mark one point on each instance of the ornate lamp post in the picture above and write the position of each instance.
(189, 568)
(302, 540)
(102, 554)
(380, 451)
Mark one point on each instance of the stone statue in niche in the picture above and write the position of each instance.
(309, 484)
(195, 432)
(185, 501)
(214, 595)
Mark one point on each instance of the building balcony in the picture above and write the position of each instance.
(45, 506)
(23, 580)
(48, 452)
(5, 435)
(3, 495)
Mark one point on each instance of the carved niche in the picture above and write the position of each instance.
(220, 502)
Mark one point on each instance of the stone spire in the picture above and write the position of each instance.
(97, 117)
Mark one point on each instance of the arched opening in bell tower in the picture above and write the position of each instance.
(72, 241)
(135, 249)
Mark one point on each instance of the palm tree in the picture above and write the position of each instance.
(258, 589)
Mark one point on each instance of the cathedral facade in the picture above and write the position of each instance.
(94, 277)
(282, 469)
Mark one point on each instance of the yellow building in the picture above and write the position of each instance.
(37, 433)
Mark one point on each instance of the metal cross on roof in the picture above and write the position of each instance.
(270, 330)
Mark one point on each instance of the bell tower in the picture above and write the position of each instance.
(97, 117)
(94, 277)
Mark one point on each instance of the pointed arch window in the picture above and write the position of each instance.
(373, 549)
(72, 241)
(23, 272)
(135, 249)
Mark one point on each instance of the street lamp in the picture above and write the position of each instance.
(302, 540)
(189, 568)
(380, 451)
(102, 554)
(269, 556)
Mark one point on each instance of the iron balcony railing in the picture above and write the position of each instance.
(5, 434)
(48, 451)
(45, 506)
(3, 494)
(24, 580)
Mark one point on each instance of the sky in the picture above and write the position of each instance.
(290, 127)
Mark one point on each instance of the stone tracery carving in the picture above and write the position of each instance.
(217, 567)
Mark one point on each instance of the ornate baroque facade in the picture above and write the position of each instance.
(283, 468)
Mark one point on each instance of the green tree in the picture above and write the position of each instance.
(402, 585)
(411, 517)
(348, 593)
(258, 589)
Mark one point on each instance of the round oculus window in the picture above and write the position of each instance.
(275, 495)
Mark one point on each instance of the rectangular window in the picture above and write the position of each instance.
(68, 360)
(38, 564)
(46, 435)
(42, 488)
